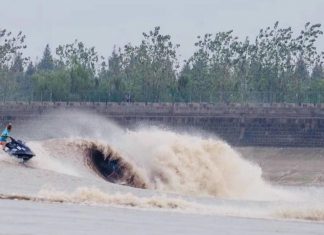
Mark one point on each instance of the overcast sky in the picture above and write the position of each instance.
(105, 23)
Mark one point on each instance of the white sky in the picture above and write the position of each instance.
(105, 23)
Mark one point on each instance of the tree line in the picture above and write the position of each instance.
(278, 65)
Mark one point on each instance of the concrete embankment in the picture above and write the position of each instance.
(277, 125)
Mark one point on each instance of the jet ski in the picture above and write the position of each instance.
(18, 149)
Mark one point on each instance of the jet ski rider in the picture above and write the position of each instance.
(5, 135)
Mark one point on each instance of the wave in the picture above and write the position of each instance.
(97, 197)
(87, 160)
(111, 165)
(87, 145)
(179, 163)
(183, 163)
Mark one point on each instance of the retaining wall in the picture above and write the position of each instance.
(280, 125)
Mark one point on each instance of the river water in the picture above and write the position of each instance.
(91, 176)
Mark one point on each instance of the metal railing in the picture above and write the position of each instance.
(217, 97)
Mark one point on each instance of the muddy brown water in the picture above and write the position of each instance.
(289, 166)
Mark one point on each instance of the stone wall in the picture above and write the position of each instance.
(279, 125)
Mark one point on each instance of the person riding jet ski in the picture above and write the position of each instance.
(15, 148)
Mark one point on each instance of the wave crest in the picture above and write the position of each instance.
(110, 165)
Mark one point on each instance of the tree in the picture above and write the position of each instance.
(27, 87)
(277, 65)
(30, 69)
(47, 62)
(17, 65)
(11, 63)
(82, 64)
(77, 53)
(116, 77)
(184, 83)
(151, 66)
(10, 46)
(51, 85)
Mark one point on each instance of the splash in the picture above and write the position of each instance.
(147, 157)
(90, 149)
(96, 197)
(180, 163)
(314, 213)
(198, 166)
(193, 165)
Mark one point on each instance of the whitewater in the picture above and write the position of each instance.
(91, 165)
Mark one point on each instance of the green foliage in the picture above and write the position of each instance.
(51, 86)
(8, 86)
(276, 66)
(77, 53)
(47, 61)
(10, 46)
(150, 68)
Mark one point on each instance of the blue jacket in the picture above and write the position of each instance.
(4, 136)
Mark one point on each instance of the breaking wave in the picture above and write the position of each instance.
(111, 166)
(92, 159)
(146, 157)
(179, 163)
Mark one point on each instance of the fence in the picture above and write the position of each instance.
(224, 97)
